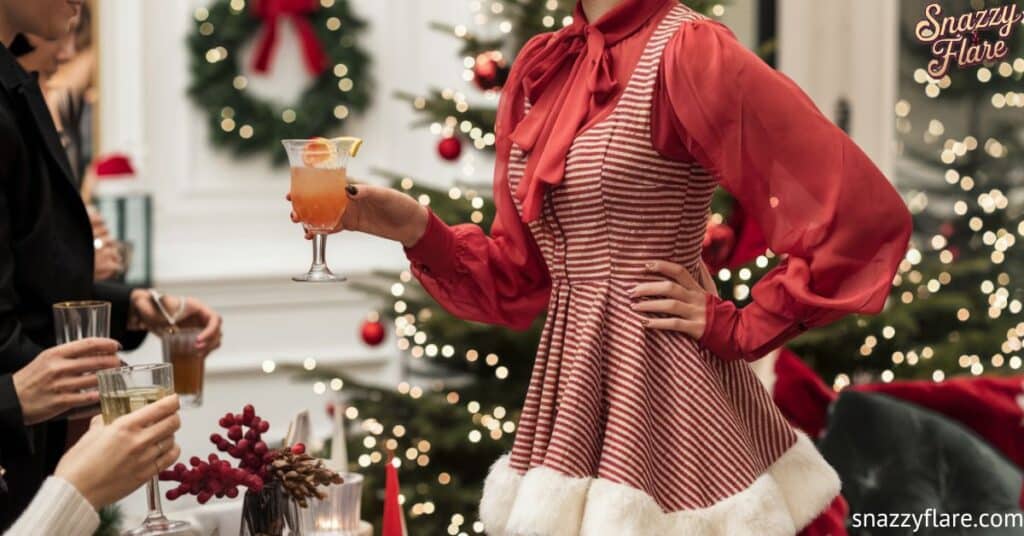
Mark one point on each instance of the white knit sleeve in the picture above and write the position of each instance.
(57, 510)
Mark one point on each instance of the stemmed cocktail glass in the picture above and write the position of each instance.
(319, 200)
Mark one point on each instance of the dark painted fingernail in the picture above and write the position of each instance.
(351, 189)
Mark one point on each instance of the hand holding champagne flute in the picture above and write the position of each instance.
(138, 446)
(126, 390)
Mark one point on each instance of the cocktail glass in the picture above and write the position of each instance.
(319, 177)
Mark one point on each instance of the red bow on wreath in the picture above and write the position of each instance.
(270, 11)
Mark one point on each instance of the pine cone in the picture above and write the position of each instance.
(301, 475)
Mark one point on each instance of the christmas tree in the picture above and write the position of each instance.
(952, 312)
(955, 302)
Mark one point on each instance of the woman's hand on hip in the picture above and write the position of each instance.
(380, 211)
(679, 299)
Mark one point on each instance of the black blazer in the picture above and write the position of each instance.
(46, 256)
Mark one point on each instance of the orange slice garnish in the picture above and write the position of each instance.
(318, 151)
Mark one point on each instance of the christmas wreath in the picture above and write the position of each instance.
(246, 123)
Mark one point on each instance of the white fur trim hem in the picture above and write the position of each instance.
(786, 498)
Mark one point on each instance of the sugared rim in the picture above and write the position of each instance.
(354, 143)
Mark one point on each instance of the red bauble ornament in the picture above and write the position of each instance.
(719, 242)
(490, 70)
(450, 148)
(372, 332)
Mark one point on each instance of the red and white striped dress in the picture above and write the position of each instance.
(630, 431)
(648, 411)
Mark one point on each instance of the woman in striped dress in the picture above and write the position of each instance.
(642, 416)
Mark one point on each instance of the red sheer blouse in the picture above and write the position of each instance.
(837, 223)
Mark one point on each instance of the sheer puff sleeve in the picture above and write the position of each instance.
(838, 225)
(498, 279)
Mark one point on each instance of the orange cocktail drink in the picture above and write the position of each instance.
(319, 177)
(318, 197)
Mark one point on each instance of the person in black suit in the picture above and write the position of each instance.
(46, 256)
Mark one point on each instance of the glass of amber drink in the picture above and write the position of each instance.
(319, 200)
(188, 363)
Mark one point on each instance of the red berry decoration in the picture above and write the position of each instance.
(372, 332)
(216, 478)
(490, 71)
(449, 148)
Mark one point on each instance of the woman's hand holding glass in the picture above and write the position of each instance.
(194, 313)
(382, 212)
(111, 461)
(59, 378)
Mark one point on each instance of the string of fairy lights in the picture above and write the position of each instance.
(1000, 240)
(492, 423)
(230, 120)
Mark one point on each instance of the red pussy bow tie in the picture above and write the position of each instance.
(547, 134)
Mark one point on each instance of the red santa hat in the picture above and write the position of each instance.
(114, 166)
(796, 389)
(993, 407)
(831, 522)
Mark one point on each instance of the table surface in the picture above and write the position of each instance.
(223, 518)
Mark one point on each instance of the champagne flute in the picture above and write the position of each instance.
(127, 389)
(319, 178)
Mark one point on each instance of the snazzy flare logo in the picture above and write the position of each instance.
(966, 40)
